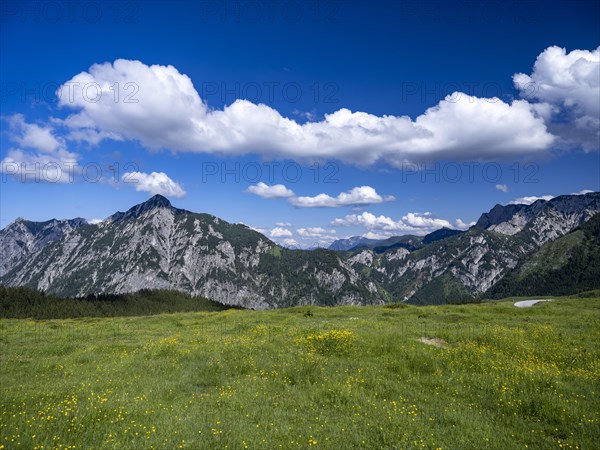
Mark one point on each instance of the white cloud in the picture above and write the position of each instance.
(265, 191)
(459, 127)
(458, 223)
(154, 183)
(362, 195)
(414, 223)
(528, 200)
(281, 232)
(308, 115)
(426, 219)
(30, 135)
(370, 221)
(306, 238)
(502, 187)
(92, 137)
(46, 158)
(570, 80)
(315, 232)
(59, 167)
(94, 221)
(568, 85)
(380, 235)
(290, 243)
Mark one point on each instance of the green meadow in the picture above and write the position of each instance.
(480, 376)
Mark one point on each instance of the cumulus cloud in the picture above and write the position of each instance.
(290, 243)
(303, 238)
(425, 220)
(528, 200)
(315, 232)
(265, 191)
(41, 156)
(58, 167)
(568, 85)
(94, 221)
(502, 187)
(570, 80)
(379, 235)
(370, 221)
(31, 135)
(362, 195)
(281, 232)
(154, 183)
(459, 127)
(91, 137)
(283, 224)
(308, 115)
(414, 223)
(458, 223)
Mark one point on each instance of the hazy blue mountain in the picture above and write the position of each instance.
(407, 241)
(348, 243)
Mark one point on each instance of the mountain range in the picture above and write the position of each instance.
(408, 241)
(154, 245)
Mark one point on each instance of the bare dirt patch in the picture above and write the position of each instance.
(436, 342)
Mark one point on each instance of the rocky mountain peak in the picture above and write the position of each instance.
(499, 214)
(153, 203)
(564, 204)
(157, 201)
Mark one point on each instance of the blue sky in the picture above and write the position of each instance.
(370, 118)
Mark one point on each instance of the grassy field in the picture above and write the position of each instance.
(498, 377)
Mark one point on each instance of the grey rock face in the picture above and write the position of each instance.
(154, 245)
(564, 212)
(23, 238)
(474, 261)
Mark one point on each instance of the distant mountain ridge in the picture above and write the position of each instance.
(467, 265)
(410, 242)
(407, 241)
(349, 243)
(438, 235)
(154, 245)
